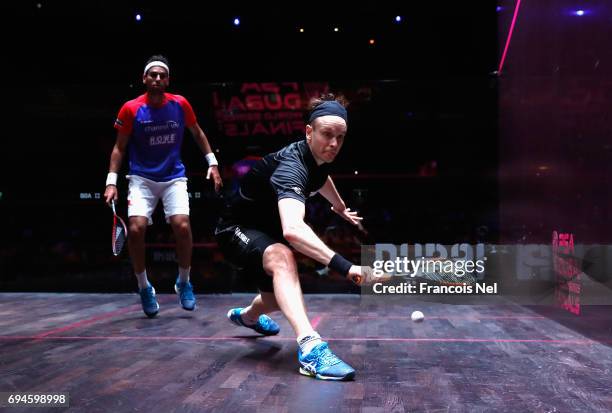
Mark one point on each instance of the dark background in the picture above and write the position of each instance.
(446, 150)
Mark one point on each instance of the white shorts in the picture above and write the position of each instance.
(143, 195)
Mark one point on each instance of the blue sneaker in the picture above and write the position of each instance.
(185, 292)
(265, 325)
(149, 302)
(322, 364)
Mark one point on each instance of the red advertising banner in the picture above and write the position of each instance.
(263, 108)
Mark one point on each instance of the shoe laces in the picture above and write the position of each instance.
(326, 357)
(149, 297)
(265, 321)
(186, 289)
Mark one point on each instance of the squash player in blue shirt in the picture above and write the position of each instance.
(150, 129)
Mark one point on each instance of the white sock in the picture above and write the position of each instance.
(184, 274)
(245, 318)
(308, 341)
(142, 280)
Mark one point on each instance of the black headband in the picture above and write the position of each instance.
(329, 107)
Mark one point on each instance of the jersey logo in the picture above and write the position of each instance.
(241, 236)
(172, 124)
(297, 190)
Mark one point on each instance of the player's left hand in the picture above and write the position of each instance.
(347, 214)
(214, 172)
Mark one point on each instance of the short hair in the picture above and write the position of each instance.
(157, 58)
(314, 102)
(327, 97)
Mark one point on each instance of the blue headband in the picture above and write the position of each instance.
(329, 107)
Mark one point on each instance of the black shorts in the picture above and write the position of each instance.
(244, 247)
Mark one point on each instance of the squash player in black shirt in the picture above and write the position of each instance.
(264, 218)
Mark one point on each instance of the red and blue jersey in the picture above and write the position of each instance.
(156, 135)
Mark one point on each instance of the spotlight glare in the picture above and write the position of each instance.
(579, 12)
(372, 41)
(398, 19)
(138, 17)
(336, 29)
(236, 21)
(301, 30)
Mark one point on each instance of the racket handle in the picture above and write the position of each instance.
(113, 206)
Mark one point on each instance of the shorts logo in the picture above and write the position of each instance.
(241, 236)
(297, 190)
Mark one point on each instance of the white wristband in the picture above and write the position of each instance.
(211, 159)
(111, 179)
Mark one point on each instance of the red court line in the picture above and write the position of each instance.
(503, 58)
(350, 339)
(315, 321)
(88, 321)
(475, 317)
(93, 320)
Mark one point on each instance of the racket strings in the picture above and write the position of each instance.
(119, 238)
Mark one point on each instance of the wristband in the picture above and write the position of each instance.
(111, 179)
(340, 264)
(211, 159)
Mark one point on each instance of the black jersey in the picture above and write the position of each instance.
(291, 172)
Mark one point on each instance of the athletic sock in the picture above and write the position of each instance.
(246, 319)
(308, 341)
(143, 282)
(184, 274)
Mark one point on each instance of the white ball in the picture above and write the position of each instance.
(417, 316)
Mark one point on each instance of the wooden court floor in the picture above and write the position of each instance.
(103, 351)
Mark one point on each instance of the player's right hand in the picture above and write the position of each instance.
(360, 274)
(364, 275)
(110, 194)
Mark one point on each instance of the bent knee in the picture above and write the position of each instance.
(279, 259)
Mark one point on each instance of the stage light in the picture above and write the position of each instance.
(398, 19)
(301, 30)
(499, 8)
(236, 21)
(372, 41)
(336, 29)
(38, 5)
(579, 13)
(356, 172)
(138, 17)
